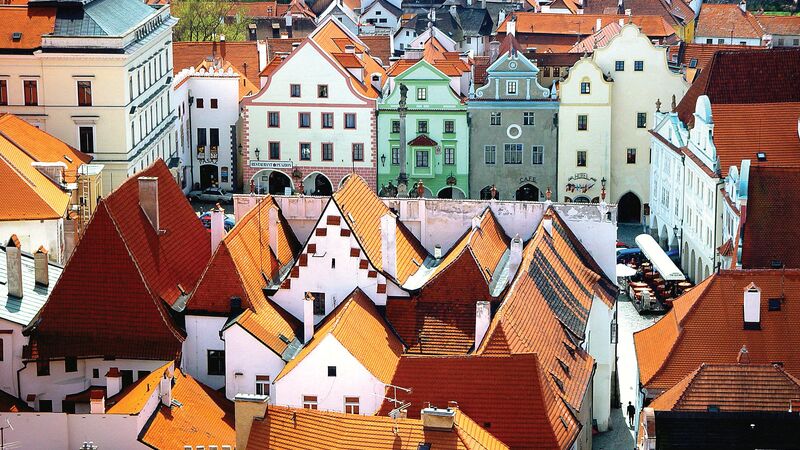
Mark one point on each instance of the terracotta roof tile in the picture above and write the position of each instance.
(205, 418)
(675, 12)
(598, 39)
(706, 326)
(243, 56)
(449, 63)
(433, 328)
(583, 24)
(358, 326)
(9, 403)
(290, 429)
(481, 64)
(136, 274)
(779, 25)
(362, 210)
(438, 380)
(697, 56)
(380, 47)
(280, 45)
(33, 23)
(133, 398)
(731, 387)
(726, 20)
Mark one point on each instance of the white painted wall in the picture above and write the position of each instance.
(381, 17)
(598, 342)
(12, 341)
(202, 334)
(35, 233)
(727, 40)
(310, 377)
(246, 357)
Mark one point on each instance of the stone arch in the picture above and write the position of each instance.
(663, 238)
(271, 181)
(629, 208)
(341, 182)
(706, 272)
(451, 192)
(486, 193)
(693, 262)
(527, 192)
(684, 255)
(412, 192)
(581, 199)
(317, 183)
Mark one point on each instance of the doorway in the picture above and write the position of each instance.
(528, 193)
(629, 209)
(209, 175)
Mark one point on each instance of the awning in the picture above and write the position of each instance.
(661, 262)
(624, 271)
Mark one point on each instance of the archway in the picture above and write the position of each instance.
(693, 271)
(629, 209)
(527, 193)
(581, 199)
(271, 181)
(317, 184)
(209, 175)
(344, 178)
(451, 192)
(412, 191)
(664, 238)
(486, 193)
(684, 255)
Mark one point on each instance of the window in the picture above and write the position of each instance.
(294, 90)
(422, 94)
(305, 151)
(322, 91)
(583, 122)
(214, 103)
(631, 156)
(619, 66)
(95, 373)
(780, 42)
(489, 153)
(216, 362)
(795, 42)
(319, 303)
(529, 118)
(224, 174)
(638, 66)
(141, 374)
(495, 118)
(31, 92)
(350, 121)
(84, 93)
(304, 120)
(641, 120)
(395, 156)
(331, 371)
(538, 154)
(70, 364)
(273, 119)
(42, 368)
(358, 152)
(3, 92)
(709, 41)
(546, 71)
(422, 126)
(262, 384)
(127, 377)
(422, 158)
(45, 406)
(557, 71)
(86, 138)
(581, 158)
(214, 137)
(513, 154)
(720, 41)
(586, 87)
(449, 155)
(309, 402)
(351, 405)
(449, 126)
(201, 137)
(327, 151)
(199, 103)
(511, 87)
(327, 120)
(395, 126)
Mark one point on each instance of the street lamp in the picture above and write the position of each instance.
(258, 153)
(383, 160)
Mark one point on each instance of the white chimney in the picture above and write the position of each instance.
(14, 266)
(437, 251)
(165, 387)
(273, 230)
(514, 257)
(389, 244)
(113, 382)
(350, 48)
(483, 316)
(476, 223)
(97, 402)
(41, 267)
(376, 81)
(308, 317)
(217, 227)
(511, 26)
(501, 16)
(148, 199)
(598, 24)
(743, 6)
(752, 307)
(434, 418)
(547, 222)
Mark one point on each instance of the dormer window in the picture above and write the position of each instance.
(586, 87)
(511, 87)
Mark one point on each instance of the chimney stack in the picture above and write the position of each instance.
(148, 199)
(476, 223)
(97, 402)
(165, 386)
(514, 257)
(511, 26)
(547, 222)
(308, 317)
(248, 407)
(744, 356)
(14, 266)
(350, 48)
(113, 382)
(743, 6)
(389, 244)
(598, 25)
(438, 419)
(217, 226)
(376, 81)
(437, 251)
(483, 316)
(752, 307)
(41, 267)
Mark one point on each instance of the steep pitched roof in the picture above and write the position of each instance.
(779, 25)
(674, 12)
(362, 210)
(136, 273)
(22, 310)
(436, 54)
(380, 46)
(358, 326)
(243, 56)
(599, 38)
(133, 398)
(583, 24)
(765, 214)
(33, 23)
(695, 57)
(706, 326)
(205, 417)
(517, 384)
(285, 428)
(726, 21)
(731, 387)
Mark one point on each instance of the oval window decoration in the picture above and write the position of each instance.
(514, 131)
(512, 65)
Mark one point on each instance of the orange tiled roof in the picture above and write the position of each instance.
(35, 197)
(675, 12)
(132, 399)
(598, 39)
(358, 326)
(706, 326)
(731, 387)
(246, 87)
(518, 384)
(362, 210)
(272, 9)
(726, 20)
(583, 24)
(449, 63)
(379, 47)
(205, 418)
(243, 56)
(695, 57)
(779, 25)
(285, 428)
(33, 23)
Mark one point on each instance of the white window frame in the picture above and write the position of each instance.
(512, 87)
(540, 152)
(494, 154)
(263, 384)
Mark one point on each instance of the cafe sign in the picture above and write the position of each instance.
(257, 164)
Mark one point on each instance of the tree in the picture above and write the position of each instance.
(206, 20)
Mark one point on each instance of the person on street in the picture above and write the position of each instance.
(631, 414)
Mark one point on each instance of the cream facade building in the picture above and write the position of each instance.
(606, 112)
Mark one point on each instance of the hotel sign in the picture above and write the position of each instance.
(270, 164)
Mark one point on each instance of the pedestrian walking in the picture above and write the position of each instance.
(631, 414)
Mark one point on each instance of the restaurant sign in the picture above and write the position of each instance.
(257, 164)
(580, 182)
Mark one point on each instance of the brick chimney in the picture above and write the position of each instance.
(744, 356)
(547, 222)
(113, 382)
(389, 244)
(248, 407)
(14, 266)
(308, 317)
(483, 317)
(97, 401)
(41, 268)
(217, 227)
(752, 307)
(148, 199)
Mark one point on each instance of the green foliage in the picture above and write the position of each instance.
(206, 20)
